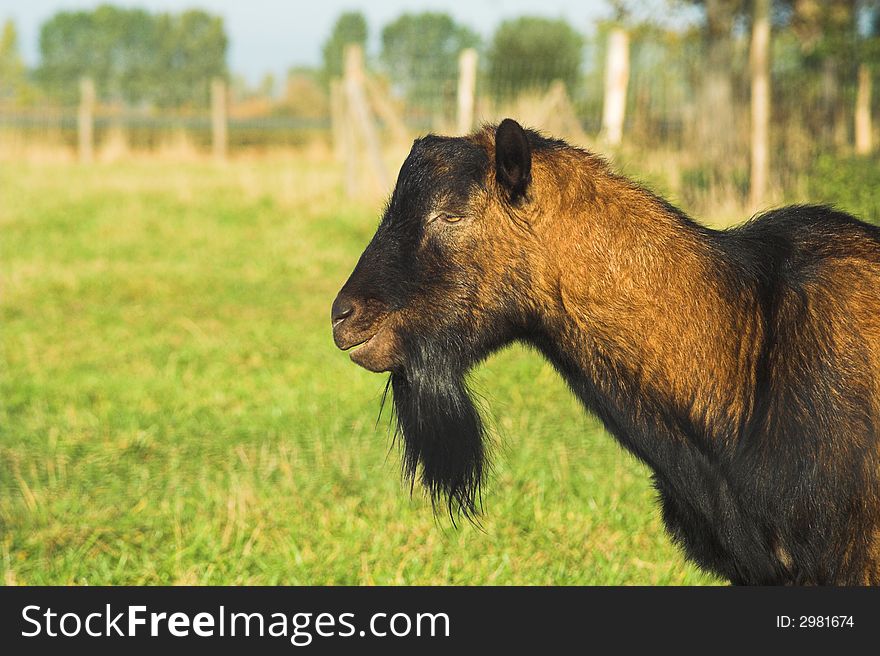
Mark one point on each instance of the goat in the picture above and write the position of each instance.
(742, 366)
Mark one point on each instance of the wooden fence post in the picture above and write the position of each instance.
(864, 141)
(760, 65)
(359, 113)
(467, 89)
(219, 129)
(86, 120)
(616, 81)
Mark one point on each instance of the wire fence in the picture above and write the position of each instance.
(675, 102)
(145, 131)
(663, 102)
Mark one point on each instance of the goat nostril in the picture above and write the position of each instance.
(341, 310)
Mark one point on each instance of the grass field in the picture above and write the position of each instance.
(173, 410)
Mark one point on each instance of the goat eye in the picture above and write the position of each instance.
(449, 218)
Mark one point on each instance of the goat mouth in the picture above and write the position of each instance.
(355, 347)
(348, 340)
(375, 353)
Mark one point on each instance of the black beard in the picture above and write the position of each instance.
(443, 434)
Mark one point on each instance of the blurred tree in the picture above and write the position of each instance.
(125, 42)
(13, 74)
(350, 27)
(638, 11)
(132, 55)
(715, 128)
(530, 53)
(869, 15)
(619, 10)
(191, 51)
(67, 53)
(115, 47)
(828, 33)
(822, 24)
(420, 53)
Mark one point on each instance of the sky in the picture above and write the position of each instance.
(269, 36)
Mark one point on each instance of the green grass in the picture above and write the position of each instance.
(173, 410)
(849, 183)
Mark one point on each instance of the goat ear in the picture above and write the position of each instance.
(513, 158)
